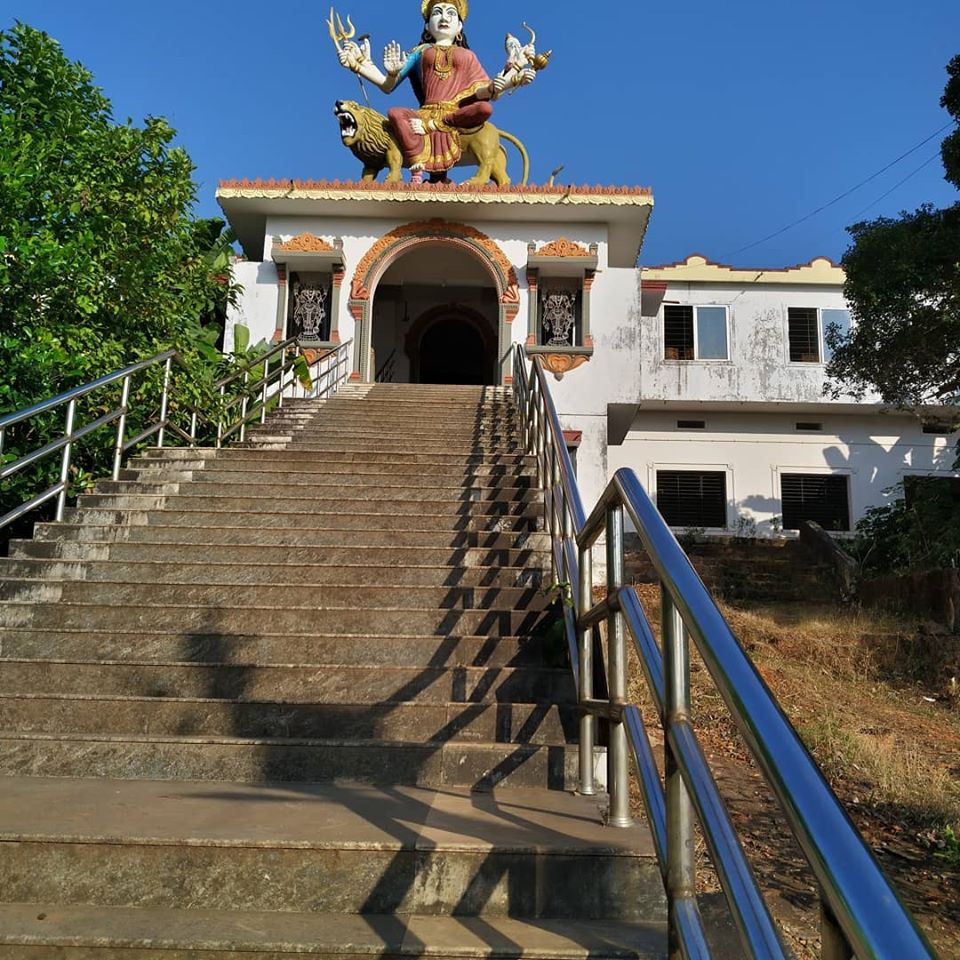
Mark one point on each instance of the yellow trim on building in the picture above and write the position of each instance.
(698, 269)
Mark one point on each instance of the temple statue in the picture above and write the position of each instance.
(453, 90)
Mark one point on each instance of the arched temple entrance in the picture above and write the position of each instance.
(434, 302)
(452, 344)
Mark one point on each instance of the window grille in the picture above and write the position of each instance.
(692, 498)
(804, 334)
(821, 497)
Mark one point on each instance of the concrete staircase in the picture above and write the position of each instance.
(296, 697)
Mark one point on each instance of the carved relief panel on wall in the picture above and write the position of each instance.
(310, 309)
(560, 311)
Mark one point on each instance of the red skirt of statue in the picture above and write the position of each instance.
(451, 77)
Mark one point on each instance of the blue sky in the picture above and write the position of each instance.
(742, 116)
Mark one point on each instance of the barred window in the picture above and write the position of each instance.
(692, 498)
(821, 497)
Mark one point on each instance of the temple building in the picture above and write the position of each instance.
(708, 380)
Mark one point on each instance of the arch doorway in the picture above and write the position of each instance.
(451, 348)
(436, 318)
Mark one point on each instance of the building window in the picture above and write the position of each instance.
(809, 426)
(692, 498)
(560, 309)
(694, 333)
(821, 497)
(807, 329)
(691, 424)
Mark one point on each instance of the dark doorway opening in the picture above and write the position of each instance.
(452, 350)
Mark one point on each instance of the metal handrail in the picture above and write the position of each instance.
(255, 399)
(327, 373)
(861, 914)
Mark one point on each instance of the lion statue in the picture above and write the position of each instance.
(369, 136)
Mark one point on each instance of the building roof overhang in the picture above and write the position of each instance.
(625, 211)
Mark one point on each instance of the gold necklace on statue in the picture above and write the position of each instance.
(443, 62)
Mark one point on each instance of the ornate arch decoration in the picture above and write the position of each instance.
(403, 238)
(408, 236)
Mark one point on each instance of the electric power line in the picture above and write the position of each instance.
(846, 193)
(897, 185)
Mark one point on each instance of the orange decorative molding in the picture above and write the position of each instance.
(563, 247)
(560, 363)
(288, 188)
(425, 231)
(305, 243)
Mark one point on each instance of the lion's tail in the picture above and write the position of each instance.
(523, 154)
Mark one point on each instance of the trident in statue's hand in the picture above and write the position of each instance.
(339, 33)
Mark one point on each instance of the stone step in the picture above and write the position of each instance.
(384, 448)
(387, 418)
(202, 501)
(324, 492)
(346, 849)
(300, 682)
(449, 482)
(217, 620)
(271, 560)
(41, 931)
(285, 571)
(423, 520)
(329, 472)
(476, 766)
(421, 722)
(237, 530)
(314, 597)
(269, 648)
(315, 459)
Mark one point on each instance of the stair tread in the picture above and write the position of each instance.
(323, 934)
(189, 813)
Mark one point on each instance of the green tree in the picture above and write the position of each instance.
(903, 287)
(101, 261)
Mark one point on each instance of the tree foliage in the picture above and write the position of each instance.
(912, 533)
(101, 262)
(903, 287)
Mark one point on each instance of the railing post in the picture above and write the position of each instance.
(556, 528)
(220, 414)
(65, 461)
(588, 722)
(681, 866)
(164, 402)
(833, 942)
(243, 405)
(265, 392)
(618, 770)
(193, 429)
(121, 428)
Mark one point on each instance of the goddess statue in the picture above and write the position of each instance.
(451, 86)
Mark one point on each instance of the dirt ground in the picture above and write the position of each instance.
(882, 720)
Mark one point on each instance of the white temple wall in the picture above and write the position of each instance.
(257, 304)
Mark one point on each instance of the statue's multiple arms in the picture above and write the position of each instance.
(357, 58)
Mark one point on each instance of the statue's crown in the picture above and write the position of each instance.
(461, 5)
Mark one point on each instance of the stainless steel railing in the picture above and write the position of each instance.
(861, 915)
(276, 382)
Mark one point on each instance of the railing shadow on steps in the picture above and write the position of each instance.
(861, 914)
(245, 396)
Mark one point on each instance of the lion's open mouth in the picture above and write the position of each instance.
(348, 124)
